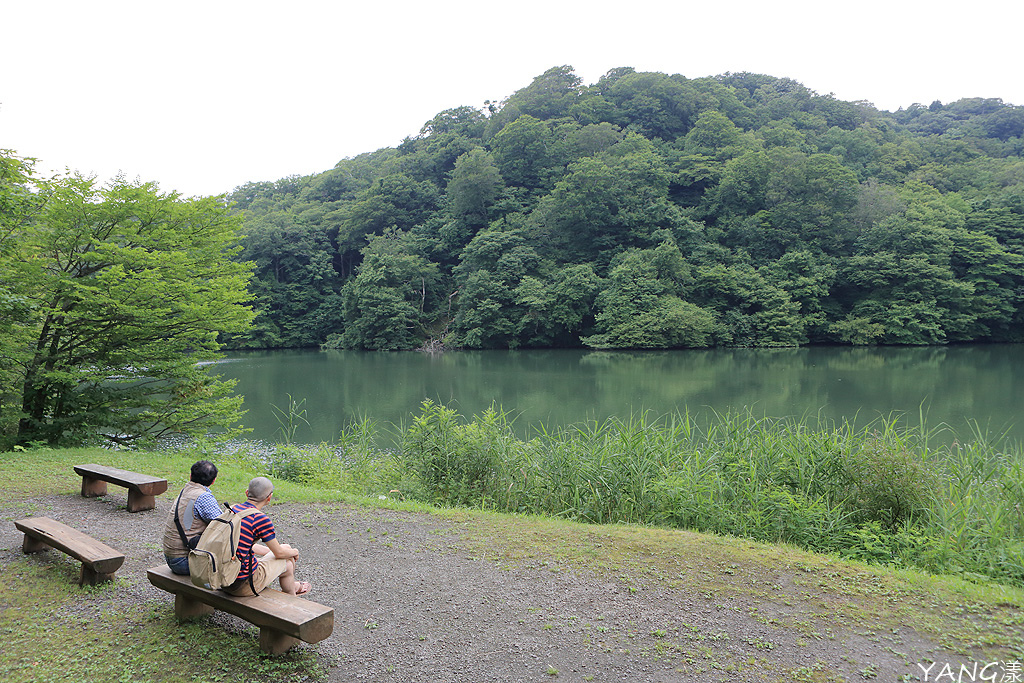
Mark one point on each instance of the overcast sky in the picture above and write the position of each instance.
(204, 96)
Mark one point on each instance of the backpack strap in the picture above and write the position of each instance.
(181, 531)
(239, 516)
(234, 550)
(252, 586)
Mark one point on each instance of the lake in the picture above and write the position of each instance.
(951, 384)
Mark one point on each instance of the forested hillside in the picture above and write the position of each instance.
(653, 211)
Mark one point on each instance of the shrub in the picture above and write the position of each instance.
(456, 463)
(907, 545)
(888, 483)
(801, 520)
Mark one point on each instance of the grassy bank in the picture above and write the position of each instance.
(54, 630)
(882, 494)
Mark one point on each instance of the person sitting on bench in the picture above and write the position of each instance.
(261, 564)
(189, 516)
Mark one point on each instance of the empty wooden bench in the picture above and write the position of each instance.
(283, 619)
(142, 488)
(99, 560)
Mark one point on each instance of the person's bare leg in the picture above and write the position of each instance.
(287, 579)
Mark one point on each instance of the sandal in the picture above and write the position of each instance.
(303, 588)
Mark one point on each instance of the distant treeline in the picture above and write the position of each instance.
(653, 211)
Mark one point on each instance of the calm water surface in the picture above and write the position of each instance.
(951, 384)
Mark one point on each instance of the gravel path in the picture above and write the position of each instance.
(414, 603)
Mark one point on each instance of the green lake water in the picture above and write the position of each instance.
(952, 385)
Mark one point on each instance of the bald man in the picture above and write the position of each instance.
(264, 562)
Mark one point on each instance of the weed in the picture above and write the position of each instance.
(870, 671)
(816, 673)
(761, 644)
(289, 419)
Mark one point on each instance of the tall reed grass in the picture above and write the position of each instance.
(883, 493)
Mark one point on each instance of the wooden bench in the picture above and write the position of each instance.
(142, 488)
(283, 619)
(99, 560)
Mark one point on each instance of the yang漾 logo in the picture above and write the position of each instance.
(991, 672)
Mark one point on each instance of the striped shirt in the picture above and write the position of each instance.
(257, 527)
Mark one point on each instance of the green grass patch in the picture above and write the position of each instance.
(51, 471)
(55, 631)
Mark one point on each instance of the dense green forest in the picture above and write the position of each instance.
(652, 211)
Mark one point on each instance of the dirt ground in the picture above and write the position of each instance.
(414, 603)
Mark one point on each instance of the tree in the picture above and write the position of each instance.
(808, 279)
(394, 201)
(642, 307)
(128, 290)
(660, 106)
(388, 303)
(493, 264)
(797, 201)
(903, 277)
(460, 120)
(522, 151)
(607, 204)
(549, 96)
(295, 285)
(558, 308)
(751, 309)
(593, 139)
(713, 140)
(474, 184)
(17, 205)
(714, 135)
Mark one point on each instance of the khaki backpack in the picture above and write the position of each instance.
(213, 563)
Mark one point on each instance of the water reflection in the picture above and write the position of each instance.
(952, 384)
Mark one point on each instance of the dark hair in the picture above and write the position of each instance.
(204, 472)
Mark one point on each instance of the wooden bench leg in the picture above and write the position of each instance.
(91, 577)
(93, 487)
(138, 502)
(274, 642)
(32, 545)
(186, 608)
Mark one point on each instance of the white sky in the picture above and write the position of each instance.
(204, 96)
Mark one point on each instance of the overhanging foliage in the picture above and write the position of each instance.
(118, 296)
